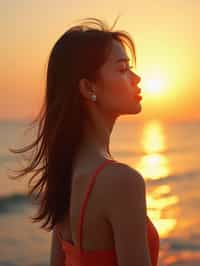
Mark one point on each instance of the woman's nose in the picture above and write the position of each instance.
(135, 78)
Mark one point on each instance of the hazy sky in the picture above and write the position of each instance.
(166, 36)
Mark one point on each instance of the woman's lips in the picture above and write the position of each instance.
(138, 97)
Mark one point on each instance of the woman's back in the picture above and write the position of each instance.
(91, 229)
(97, 231)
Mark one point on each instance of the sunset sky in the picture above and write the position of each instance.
(166, 36)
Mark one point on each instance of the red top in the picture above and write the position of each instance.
(76, 256)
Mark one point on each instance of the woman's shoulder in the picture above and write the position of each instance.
(118, 173)
(124, 208)
(119, 178)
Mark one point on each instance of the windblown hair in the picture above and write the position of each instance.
(78, 53)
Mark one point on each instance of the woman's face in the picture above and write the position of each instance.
(117, 87)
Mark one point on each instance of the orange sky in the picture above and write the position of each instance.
(166, 35)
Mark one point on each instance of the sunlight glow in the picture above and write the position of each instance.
(155, 84)
(158, 201)
(154, 164)
(161, 201)
(153, 138)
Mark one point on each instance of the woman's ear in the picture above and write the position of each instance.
(86, 88)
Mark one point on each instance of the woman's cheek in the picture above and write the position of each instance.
(121, 82)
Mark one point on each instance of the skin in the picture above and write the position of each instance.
(115, 92)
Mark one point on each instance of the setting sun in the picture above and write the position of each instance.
(155, 84)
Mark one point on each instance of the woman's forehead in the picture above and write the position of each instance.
(117, 52)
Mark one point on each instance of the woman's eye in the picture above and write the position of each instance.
(126, 69)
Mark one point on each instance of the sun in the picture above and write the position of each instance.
(155, 85)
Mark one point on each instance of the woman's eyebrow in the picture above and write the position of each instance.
(122, 60)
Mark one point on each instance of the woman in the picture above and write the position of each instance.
(94, 205)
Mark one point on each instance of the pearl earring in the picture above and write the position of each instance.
(93, 97)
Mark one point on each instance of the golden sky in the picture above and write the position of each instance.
(166, 36)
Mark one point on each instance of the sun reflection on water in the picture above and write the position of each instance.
(157, 204)
(154, 165)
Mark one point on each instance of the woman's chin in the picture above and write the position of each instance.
(137, 109)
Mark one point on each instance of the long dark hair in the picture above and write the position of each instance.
(78, 53)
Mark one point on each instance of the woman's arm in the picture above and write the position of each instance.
(125, 210)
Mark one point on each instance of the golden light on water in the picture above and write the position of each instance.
(154, 164)
(158, 201)
(153, 137)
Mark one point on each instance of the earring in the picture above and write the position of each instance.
(93, 97)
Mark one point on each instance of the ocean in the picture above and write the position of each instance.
(167, 154)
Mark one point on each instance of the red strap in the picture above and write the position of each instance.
(57, 233)
(86, 197)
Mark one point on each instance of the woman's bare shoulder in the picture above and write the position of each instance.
(124, 207)
(118, 173)
(119, 179)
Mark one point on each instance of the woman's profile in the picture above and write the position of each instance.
(94, 205)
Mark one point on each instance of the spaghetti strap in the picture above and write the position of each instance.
(58, 234)
(86, 197)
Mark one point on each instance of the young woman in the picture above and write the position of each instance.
(94, 205)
